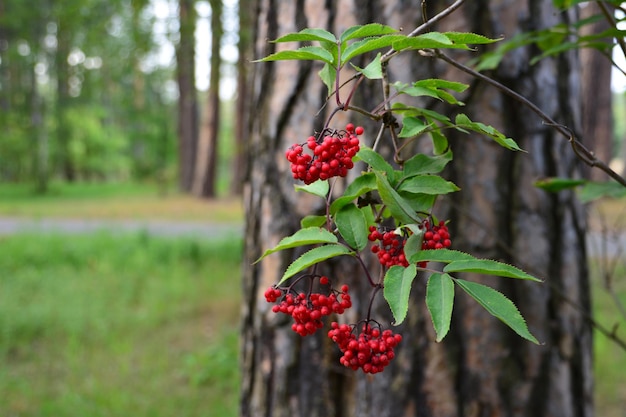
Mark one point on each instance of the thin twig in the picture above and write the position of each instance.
(581, 151)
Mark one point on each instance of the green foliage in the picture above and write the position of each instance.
(118, 325)
(497, 305)
(439, 300)
(402, 193)
(398, 282)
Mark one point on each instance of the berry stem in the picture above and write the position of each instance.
(377, 288)
(356, 84)
(337, 98)
(367, 272)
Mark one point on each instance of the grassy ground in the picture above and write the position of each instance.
(98, 325)
(114, 201)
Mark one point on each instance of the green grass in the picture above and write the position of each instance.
(610, 359)
(101, 325)
(114, 201)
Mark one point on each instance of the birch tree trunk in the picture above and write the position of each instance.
(482, 368)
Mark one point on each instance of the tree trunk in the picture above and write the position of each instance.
(187, 100)
(205, 178)
(66, 160)
(242, 104)
(597, 116)
(482, 368)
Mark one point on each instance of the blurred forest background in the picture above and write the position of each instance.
(92, 91)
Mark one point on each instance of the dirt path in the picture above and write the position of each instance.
(12, 225)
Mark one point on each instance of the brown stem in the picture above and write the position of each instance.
(580, 150)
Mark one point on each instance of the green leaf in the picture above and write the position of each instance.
(463, 121)
(488, 267)
(319, 188)
(397, 290)
(436, 83)
(306, 53)
(373, 70)
(328, 74)
(430, 40)
(364, 31)
(428, 184)
(595, 190)
(469, 38)
(312, 257)
(375, 160)
(440, 142)
(422, 164)
(368, 44)
(420, 203)
(361, 185)
(555, 184)
(440, 255)
(398, 206)
(412, 126)
(303, 237)
(439, 300)
(352, 226)
(413, 243)
(312, 221)
(498, 306)
(308, 34)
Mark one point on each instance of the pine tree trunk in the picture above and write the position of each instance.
(597, 115)
(242, 104)
(205, 178)
(187, 100)
(482, 368)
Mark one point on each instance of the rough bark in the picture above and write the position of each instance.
(482, 368)
(187, 100)
(205, 178)
(597, 116)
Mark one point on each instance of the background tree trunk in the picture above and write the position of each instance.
(205, 178)
(597, 115)
(482, 368)
(244, 47)
(187, 100)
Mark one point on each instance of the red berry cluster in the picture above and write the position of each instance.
(308, 309)
(371, 350)
(436, 237)
(390, 250)
(330, 158)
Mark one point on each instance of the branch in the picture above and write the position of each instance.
(587, 156)
(426, 25)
